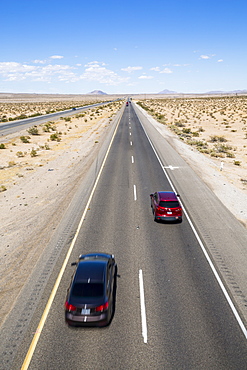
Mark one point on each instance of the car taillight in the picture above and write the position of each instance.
(102, 307)
(69, 307)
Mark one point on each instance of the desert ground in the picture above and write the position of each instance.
(39, 168)
(214, 126)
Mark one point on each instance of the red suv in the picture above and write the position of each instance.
(165, 206)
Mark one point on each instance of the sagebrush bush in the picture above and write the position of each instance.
(20, 154)
(33, 130)
(33, 153)
(55, 137)
(25, 139)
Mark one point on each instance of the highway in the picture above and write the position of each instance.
(170, 311)
(15, 126)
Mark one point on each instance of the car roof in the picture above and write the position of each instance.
(94, 256)
(167, 195)
(94, 270)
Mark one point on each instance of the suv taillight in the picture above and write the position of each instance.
(102, 307)
(69, 307)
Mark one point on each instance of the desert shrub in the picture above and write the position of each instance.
(222, 148)
(11, 163)
(179, 124)
(217, 155)
(33, 153)
(2, 188)
(186, 130)
(230, 155)
(215, 138)
(25, 139)
(2, 146)
(237, 163)
(22, 116)
(47, 127)
(67, 119)
(33, 130)
(20, 154)
(47, 146)
(55, 137)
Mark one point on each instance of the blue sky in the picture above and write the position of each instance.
(74, 47)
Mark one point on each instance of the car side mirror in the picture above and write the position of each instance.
(178, 195)
(73, 263)
(151, 195)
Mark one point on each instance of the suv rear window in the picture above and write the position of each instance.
(169, 204)
(88, 290)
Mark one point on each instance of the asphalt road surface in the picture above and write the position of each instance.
(15, 126)
(170, 311)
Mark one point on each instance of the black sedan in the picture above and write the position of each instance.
(90, 297)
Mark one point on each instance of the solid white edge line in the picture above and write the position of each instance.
(39, 329)
(143, 308)
(135, 196)
(230, 302)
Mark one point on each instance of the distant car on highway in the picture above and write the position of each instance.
(127, 103)
(91, 294)
(166, 206)
(73, 108)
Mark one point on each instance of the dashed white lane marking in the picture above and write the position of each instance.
(132, 159)
(143, 308)
(130, 142)
(135, 195)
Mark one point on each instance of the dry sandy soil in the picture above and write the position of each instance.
(216, 127)
(37, 179)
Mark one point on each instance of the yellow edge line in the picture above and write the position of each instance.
(39, 329)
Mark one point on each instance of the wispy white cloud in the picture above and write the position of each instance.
(96, 71)
(56, 57)
(166, 70)
(144, 77)
(38, 61)
(12, 71)
(158, 69)
(131, 69)
(220, 60)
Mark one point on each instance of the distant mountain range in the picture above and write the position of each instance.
(170, 92)
(97, 92)
(167, 92)
(228, 92)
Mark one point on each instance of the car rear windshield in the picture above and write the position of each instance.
(169, 204)
(88, 290)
